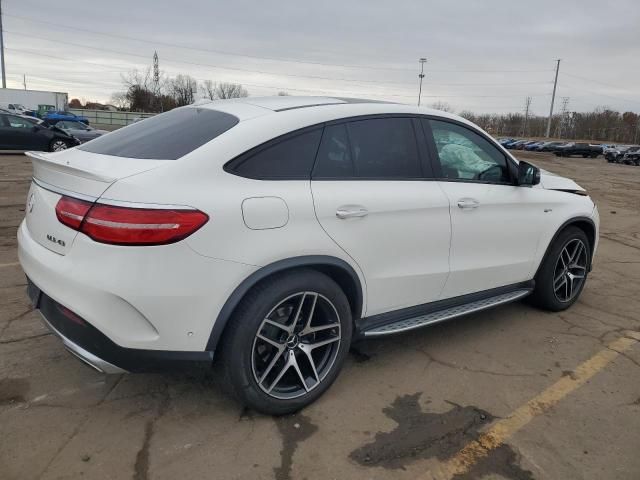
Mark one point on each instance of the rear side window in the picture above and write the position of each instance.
(381, 148)
(290, 158)
(168, 136)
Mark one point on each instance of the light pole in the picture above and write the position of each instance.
(4, 77)
(421, 76)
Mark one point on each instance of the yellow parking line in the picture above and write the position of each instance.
(499, 432)
(14, 264)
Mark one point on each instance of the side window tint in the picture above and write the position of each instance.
(334, 156)
(290, 158)
(384, 148)
(465, 155)
(17, 122)
(381, 148)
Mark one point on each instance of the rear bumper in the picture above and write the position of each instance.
(92, 347)
(158, 298)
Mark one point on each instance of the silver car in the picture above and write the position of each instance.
(82, 132)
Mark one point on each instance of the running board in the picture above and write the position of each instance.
(447, 313)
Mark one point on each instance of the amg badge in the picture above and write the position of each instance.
(53, 239)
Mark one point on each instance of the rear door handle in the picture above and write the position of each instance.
(349, 211)
(466, 203)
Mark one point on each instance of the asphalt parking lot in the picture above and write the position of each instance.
(511, 393)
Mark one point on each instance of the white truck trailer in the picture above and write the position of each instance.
(33, 99)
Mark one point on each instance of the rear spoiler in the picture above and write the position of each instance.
(43, 160)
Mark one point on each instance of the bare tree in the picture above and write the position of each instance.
(443, 106)
(230, 90)
(208, 88)
(282, 93)
(183, 89)
(119, 100)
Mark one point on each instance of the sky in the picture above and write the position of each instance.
(481, 56)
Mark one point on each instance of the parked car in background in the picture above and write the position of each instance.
(16, 108)
(81, 131)
(578, 148)
(243, 230)
(531, 147)
(57, 115)
(549, 146)
(631, 156)
(20, 133)
(514, 145)
(614, 153)
(521, 145)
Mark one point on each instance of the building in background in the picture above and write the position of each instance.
(34, 100)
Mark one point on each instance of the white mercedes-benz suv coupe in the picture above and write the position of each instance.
(270, 233)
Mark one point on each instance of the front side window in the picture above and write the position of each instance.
(379, 148)
(465, 155)
(290, 158)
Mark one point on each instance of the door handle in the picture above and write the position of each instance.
(349, 211)
(466, 203)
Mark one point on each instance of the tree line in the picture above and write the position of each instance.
(600, 125)
(142, 94)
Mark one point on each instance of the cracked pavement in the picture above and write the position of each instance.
(60, 419)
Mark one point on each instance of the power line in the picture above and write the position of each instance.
(604, 95)
(258, 57)
(208, 50)
(592, 81)
(75, 60)
(375, 82)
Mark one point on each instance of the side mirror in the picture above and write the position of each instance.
(528, 174)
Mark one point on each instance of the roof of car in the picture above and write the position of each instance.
(318, 109)
(285, 102)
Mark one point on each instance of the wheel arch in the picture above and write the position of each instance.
(338, 270)
(585, 224)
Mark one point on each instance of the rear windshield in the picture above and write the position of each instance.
(167, 136)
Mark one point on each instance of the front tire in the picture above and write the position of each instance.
(287, 342)
(563, 273)
(58, 145)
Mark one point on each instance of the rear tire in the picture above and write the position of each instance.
(563, 272)
(277, 361)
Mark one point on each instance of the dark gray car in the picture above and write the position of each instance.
(82, 132)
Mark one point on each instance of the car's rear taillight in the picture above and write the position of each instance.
(127, 225)
(71, 211)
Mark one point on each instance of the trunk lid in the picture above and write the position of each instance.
(75, 173)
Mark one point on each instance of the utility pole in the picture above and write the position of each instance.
(421, 76)
(156, 79)
(4, 76)
(553, 98)
(564, 114)
(24, 80)
(527, 104)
